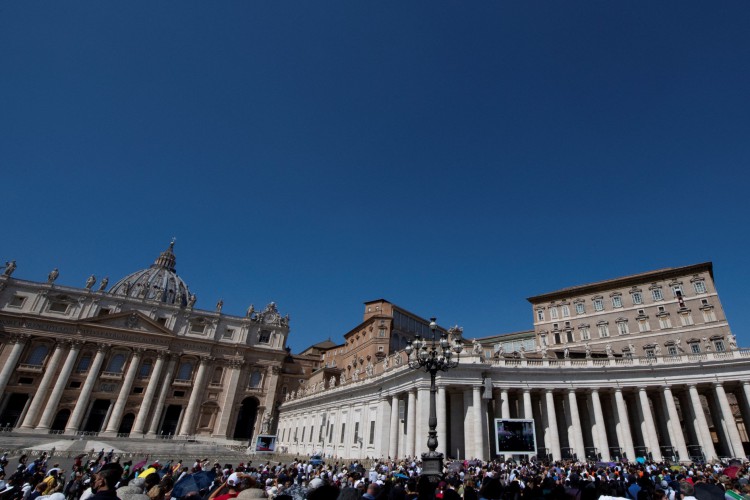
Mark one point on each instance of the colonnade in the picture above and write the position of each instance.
(676, 422)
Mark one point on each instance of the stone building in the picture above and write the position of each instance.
(138, 359)
(643, 365)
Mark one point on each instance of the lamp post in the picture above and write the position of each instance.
(434, 356)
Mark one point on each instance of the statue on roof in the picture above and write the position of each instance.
(476, 347)
(732, 341)
(250, 311)
(588, 351)
(191, 300)
(9, 268)
(52, 276)
(219, 305)
(608, 349)
(90, 282)
(566, 353)
(103, 284)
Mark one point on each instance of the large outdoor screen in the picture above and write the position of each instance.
(265, 444)
(515, 436)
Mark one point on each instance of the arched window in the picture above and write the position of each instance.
(145, 368)
(255, 379)
(186, 371)
(84, 363)
(218, 372)
(116, 363)
(38, 355)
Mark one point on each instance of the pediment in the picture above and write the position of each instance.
(133, 321)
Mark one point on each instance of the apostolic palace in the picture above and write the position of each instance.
(639, 366)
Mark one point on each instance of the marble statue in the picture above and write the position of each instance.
(732, 341)
(191, 300)
(219, 305)
(566, 353)
(52, 276)
(369, 370)
(588, 351)
(250, 311)
(610, 354)
(476, 347)
(103, 284)
(9, 268)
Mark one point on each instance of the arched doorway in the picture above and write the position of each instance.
(171, 419)
(97, 415)
(126, 424)
(13, 409)
(246, 419)
(60, 420)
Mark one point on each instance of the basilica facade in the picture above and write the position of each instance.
(138, 359)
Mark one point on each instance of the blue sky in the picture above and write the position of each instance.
(451, 157)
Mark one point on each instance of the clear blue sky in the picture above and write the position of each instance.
(451, 157)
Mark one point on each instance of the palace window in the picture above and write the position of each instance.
(665, 322)
(643, 325)
(695, 348)
(264, 336)
(622, 327)
(343, 431)
(58, 307)
(539, 315)
(672, 350)
(565, 311)
(372, 432)
(585, 333)
(145, 369)
(677, 290)
(255, 379)
(598, 305)
(580, 308)
(603, 329)
(699, 286)
(686, 318)
(17, 301)
(709, 315)
(719, 345)
(198, 327)
(637, 298)
(228, 333)
(616, 301)
(84, 363)
(650, 353)
(553, 312)
(656, 294)
(356, 432)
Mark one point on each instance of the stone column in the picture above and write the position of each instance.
(676, 437)
(229, 390)
(701, 424)
(528, 411)
(648, 425)
(40, 395)
(504, 404)
(554, 437)
(411, 423)
(383, 427)
(600, 429)
(148, 397)
(159, 408)
(423, 417)
(745, 401)
(576, 438)
(19, 342)
(393, 448)
(479, 430)
(469, 423)
(62, 380)
(191, 413)
(624, 423)
(122, 398)
(441, 408)
(733, 435)
(74, 422)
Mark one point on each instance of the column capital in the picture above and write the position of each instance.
(718, 384)
(75, 343)
(20, 338)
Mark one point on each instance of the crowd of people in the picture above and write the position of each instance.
(106, 477)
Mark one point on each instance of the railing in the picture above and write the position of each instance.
(215, 385)
(123, 434)
(111, 375)
(87, 433)
(25, 367)
(56, 431)
(667, 359)
(7, 428)
(179, 382)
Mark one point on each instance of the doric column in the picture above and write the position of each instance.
(50, 409)
(733, 435)
(423, 418)
(383, 427)
(229, 389)
(647, 425)
(554, 437)
(701, 424)
(478, 423)
(411, 423)
(83, 398)
(576, 437)
(745, 401)
(188, 423)
(504, 404)
(624, 423)
(40, 396)
(122, 398)
(441, 408)
(393, 448)
(148, 397)
(676, 437)
(600, 429)
(19, 342)
(166, 384)
(528, 412)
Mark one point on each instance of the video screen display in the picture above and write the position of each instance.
(265, 444)
(515, 437)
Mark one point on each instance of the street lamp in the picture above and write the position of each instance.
(434, 356)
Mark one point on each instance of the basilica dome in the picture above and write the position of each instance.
(158, 282)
